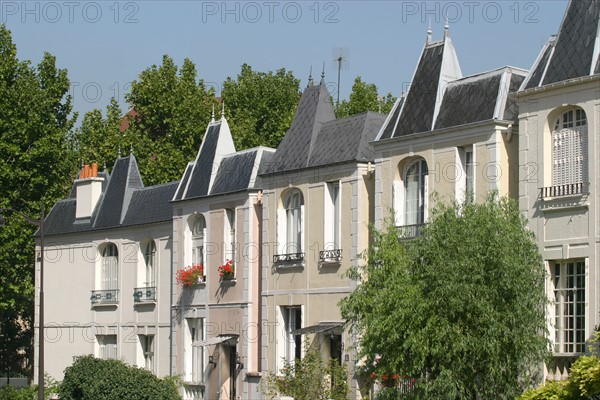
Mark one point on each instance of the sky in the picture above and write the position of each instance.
(104, 45)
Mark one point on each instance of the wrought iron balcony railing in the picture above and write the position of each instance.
(411, 231)
(571, 189)
(289, 260)
(329, 256)
(105, 297)
(144, 294)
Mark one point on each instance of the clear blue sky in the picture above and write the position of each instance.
(106, 44)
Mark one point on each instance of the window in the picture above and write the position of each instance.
(332, 216)
(150, 263)
(194, 350)
(109, 272)
(465, 174)
(569, 148)
(415, 185)
(198, 240)
(292, 317)
(568, 278)
(230, 234)
(147, 352)
(293, 205)
(107, 346)
(469, 173)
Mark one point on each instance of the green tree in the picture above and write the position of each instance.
(90, 378)
(173, 109)
(364, 97)
(459, 309)
(309, 378)
(36, 164)
(260, 106)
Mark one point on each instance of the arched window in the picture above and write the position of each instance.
(230, 234)
(150, 263)
(109, 272)
(415, 199)
(569, 149)
(198, 237)
(293, 205)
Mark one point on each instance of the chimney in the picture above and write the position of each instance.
(89, 189)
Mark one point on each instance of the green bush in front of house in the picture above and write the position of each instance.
(90, 378)
(10, 393)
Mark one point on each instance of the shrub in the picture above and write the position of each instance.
(90, 378)
(10, 393)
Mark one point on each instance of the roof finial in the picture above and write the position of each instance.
(429, 32)
(213, 113)
(82, 163)
(119, 154)
(310, 78)
(323, 74)
(104, 167)
(446, 28)
(223, 109)
(131, 149)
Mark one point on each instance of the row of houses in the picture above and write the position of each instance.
(275, 230)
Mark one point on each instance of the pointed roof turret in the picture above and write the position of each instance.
(574, 52)
(418, 109)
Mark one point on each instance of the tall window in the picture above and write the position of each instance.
(147, 351)
(568, 278)
(109, 272)
(230, 234)
(292, 317)
(415, 185)
(293, 206)
(569, 148)
(150, 262)
(469, 172)
(194, 350)
(107, 346)
(198, 237)
(332, 216)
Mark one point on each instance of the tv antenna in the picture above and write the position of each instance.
(340, 62)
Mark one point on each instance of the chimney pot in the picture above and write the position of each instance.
(94, 170)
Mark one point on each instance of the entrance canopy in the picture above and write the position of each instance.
(322, 326)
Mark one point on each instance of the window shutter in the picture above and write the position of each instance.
(398, 202)
(302, 231)
(281, 231)
(426, 199)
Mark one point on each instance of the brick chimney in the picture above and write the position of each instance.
(89, 189)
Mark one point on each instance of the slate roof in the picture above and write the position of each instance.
(203, 169)
(417, 110)
(480, 97)
(235, 172)
(124, 202)
(294, 151)
(575, 51)
(346, 139)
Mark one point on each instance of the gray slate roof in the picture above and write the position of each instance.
(124, 202)
(571, 54)
(235, 172)
(294, 151)
(203, 168)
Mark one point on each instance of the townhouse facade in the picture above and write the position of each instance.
(292, 221)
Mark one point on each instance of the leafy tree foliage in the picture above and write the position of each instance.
(36, 165)
(309, 378)
(91, 378)
(260, 106)
(459, 309)
(364, 97)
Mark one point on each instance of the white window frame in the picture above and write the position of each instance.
(194, 354)
(569, 306)
(150, 264)
(107, 346)
(332, 216)
(291, 223)
(147, 353)
(230, 234)
(109, 267)
(570, 148)
(400, 194)
(198, 241)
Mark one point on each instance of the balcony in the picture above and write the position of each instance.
(290, 260)
(104, 297)
(144, 294)
(330, 256)
(408, 232)
(571, 189)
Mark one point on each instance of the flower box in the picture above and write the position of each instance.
(227, 271)
(191, 275)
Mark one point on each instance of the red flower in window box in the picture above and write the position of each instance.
(191, 275)
(227, 271)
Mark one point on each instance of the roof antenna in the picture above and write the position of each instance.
(340, 57)
(446, 28)
(223, 110)
(429, 32)
(213, 113)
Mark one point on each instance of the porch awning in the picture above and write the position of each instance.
(318, 327)
(214, 340)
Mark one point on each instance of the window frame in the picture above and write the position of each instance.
(569, 148)
(420, 196)
(109, 267)
(150, 264)
(293, 205)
